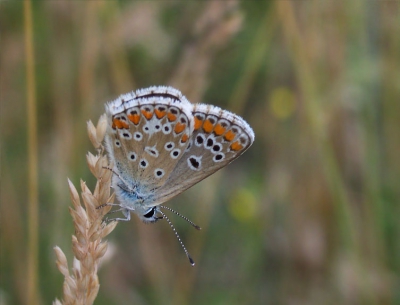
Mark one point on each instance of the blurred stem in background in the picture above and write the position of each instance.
(32, 296)
(317, 80)
(305, 70)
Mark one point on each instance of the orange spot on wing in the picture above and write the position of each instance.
(147, 114)
(160, 114)
(134, 118)
(208, 127)
(219, 130)
(236, 146)
(184, 138)
(179, 127)
(197, 123)
(171, 117)
(125, 125)
(229, 136)
(120, 124)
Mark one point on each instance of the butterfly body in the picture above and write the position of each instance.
(161, 144)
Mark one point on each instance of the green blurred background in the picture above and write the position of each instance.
(309, 214)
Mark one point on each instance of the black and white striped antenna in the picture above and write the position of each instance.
(178, 237)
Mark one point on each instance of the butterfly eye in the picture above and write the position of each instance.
(150, 213)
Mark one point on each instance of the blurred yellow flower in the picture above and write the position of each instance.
(282, 103)
(243, 205)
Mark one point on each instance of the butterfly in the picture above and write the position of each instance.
(161, 145)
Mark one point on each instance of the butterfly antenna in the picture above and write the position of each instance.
(179, 239)
(180, 215)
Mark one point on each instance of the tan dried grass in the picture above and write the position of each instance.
(81, 284)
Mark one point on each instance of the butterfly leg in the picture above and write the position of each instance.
(126, 213)
(115, 211)
(106, 205)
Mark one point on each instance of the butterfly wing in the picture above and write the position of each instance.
(147, 134)
(219, 137)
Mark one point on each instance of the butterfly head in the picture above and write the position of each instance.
(149, 215)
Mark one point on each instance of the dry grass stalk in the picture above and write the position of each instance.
(81, 285)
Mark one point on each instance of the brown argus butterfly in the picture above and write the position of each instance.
(161, 144)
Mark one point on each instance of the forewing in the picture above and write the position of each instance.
(148, 132)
